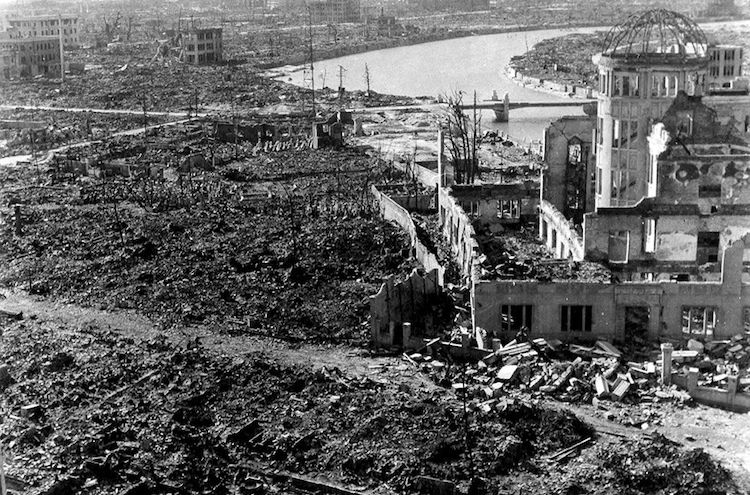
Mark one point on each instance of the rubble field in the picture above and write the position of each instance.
(284, 243)
(93, 408)
(65, 128)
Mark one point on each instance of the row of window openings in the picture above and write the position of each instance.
(695, 320)
(728, 55)
(573, 318)
(202, 57)
(506, 208)
(629, 85)
(201, 47)
(728, 71)
(624, 133)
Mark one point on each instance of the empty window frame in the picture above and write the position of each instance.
(515, 316)
(575, 318)
(509, 208)
(649, 235)
(618, 246)
(709, 191)
(699, 320)
(708, 247)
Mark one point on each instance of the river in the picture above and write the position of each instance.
(475, 63)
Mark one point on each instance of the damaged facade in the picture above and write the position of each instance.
(202, 46)
(643, 210)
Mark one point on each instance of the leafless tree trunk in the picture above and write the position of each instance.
(463, 138)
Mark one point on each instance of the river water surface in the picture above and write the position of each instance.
(469, 64)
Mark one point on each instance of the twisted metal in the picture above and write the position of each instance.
(657, 31)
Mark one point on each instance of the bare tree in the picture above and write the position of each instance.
(464, 136)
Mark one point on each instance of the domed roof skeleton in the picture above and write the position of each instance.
(635, 37)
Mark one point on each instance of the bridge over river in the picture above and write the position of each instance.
(503, 107)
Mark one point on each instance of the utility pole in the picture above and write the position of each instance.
(367, 79)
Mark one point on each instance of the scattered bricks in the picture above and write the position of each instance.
(437, 365)
(536, 383)
(548, 389)
(481, 365)
(735, 348)
(507, 373)
(417, 357)
(620, 389)
(602, 386)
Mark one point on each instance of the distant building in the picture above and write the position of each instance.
(334, 11)
(202, 46)
(47, 25)
(29, 57)
(724, 66)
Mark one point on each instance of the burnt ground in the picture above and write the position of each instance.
(124, 405)
(290, 247)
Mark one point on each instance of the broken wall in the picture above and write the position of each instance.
(666, 302)
(491, 203)
(568, 155)
(676, 243)
(559, 234)
(390, 210)
(399, 302)
(458, 231)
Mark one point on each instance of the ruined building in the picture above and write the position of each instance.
(27, 27)
(29, 57)
(201, 46)
(334, 11)
(644, 208)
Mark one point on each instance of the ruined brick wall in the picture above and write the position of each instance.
(558, 233)
(392, 211)
(665, 301)
(398, 302)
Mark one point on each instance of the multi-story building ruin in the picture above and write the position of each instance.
(334, 11)
(202, 46)
(644, 207)
(39, 26)
(29, 57)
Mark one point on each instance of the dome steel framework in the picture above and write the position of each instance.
(657, 31)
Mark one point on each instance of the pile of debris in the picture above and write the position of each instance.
(717, 360)
(570, 373)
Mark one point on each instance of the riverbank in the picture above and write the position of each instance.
(563, 65)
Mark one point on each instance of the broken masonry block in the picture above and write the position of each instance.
(602, 386)
(507, 373)
(536, 382)
(621, 389)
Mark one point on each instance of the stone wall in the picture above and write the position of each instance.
(400, 302)
(609, 302)
(559, 234)
(390, 210)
